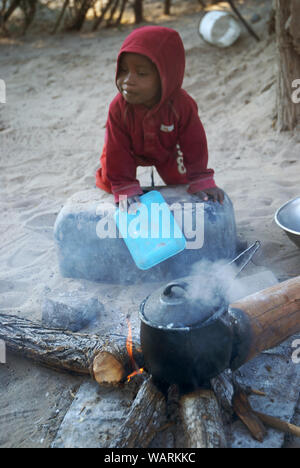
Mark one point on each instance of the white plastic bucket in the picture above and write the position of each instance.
(219, 28)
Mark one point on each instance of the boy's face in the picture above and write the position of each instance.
(138, 80)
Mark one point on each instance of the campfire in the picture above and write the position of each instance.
(129, 347)
(113, 360)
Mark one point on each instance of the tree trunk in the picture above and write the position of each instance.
(60, 17)
(138, 11)
(99, 20)
(81, 15)
(112, 12)
(167, 7)
(11, 9)
(122, 9)
(288, 48)
(105, 358)
(29, 10)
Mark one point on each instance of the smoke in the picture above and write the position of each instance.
(215, 284)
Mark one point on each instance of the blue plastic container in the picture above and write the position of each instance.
(151, 234)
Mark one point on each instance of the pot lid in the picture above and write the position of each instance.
(172, 307)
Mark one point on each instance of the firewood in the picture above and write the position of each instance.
(105, 358)
(278, 424)
(255, 419)
(107, 369)
(233, 398)
(145, 418)
(244, 411)
(254, 391)
(271, 315)
(202, 420)
(223, 387)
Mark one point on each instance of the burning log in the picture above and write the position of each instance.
(144, 419)
(202, 420)
(105, 358)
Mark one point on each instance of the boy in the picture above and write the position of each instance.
(153, 121)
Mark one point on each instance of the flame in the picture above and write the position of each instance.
(129, 348)
(129, 345)
(137, 372)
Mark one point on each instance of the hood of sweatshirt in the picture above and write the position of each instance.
(164, 47)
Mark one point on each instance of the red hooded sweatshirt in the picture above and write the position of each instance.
(170, 135)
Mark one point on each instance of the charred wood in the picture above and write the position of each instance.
(223, 387)
(105, 358)
(278, 424)
(145, 418)
(202, 420)
(244, 411)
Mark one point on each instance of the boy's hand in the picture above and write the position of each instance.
(127, 204)
(215, 194)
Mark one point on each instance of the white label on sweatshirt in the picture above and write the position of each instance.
(180, 165)
(167, 128)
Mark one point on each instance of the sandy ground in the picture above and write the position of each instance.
(51, 133)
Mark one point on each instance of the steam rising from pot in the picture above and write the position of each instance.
(215, 282)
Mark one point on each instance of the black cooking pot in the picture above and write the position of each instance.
(184, 341)
(188, 341)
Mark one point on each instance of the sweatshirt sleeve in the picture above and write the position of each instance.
(193, 144)
(121, 167)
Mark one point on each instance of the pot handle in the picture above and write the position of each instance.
(242, 260)
(168, 289)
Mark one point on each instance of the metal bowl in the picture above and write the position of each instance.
(288, 218)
